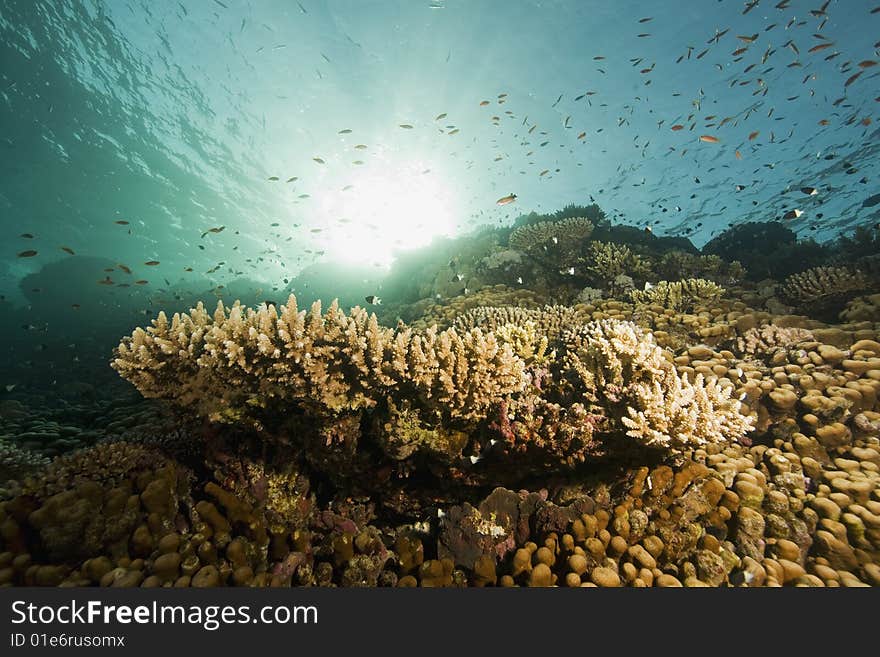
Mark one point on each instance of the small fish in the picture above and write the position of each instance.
(124, 268)
(121, 222)
(30, 253)
(809, 191)
(360, 147)
(440, 116)
(151, 263)
(318, 160)
(709, 139)
(519, 280)
(10, 387)
(458, 277)
(754, 135)
(504, 200)
(142, 282)
(406, 126)
(219, 229)
(821, 46)
(793, 214)
(871, 201)
(290, 180)
(67, 249)
(27, 236)
(346, 131)
(483, 103)
(272, 178)
(852, 79)
(677, 127)
(373, 300)
(106, 281)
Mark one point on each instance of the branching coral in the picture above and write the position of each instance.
(549, 321)
(227, 364)
(617, 367)
(824, 290)
(768, 338)
(606, 260)
(680, 264)
(16, 461)
(444, 313)
(566, 233)
(678, 295)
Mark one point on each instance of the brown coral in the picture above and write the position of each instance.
(566, 233)
(823, 291)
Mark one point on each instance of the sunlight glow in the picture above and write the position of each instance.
(385, 210)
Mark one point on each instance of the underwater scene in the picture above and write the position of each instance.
(438, 293)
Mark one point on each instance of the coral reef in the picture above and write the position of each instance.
(518, 413)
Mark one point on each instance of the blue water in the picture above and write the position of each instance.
(175, 117)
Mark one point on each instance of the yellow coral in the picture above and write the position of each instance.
(620, 368)
(678, 295)
(231, 364)
(607, 260)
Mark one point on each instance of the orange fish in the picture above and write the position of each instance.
(738, 155)
(753, 135)
(504, 200)
(823, 122)
(820, 46)
(867, 63)
(677, 127)
(709, 138)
